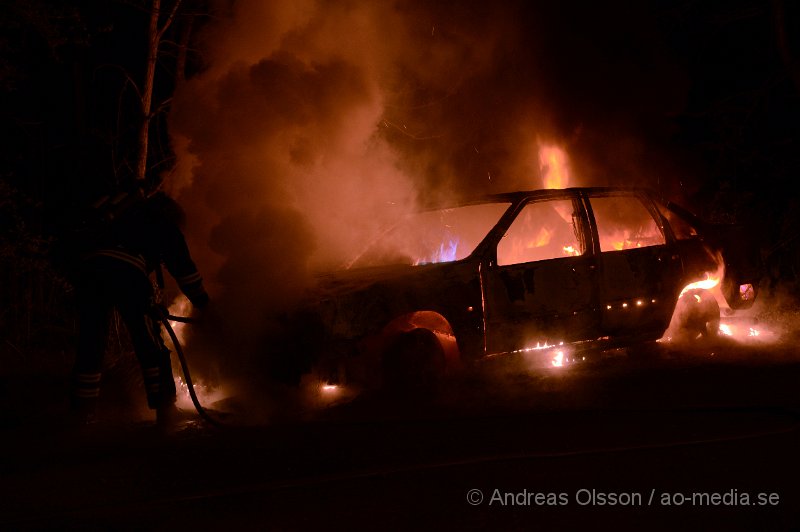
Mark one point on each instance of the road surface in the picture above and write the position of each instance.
(659, 437)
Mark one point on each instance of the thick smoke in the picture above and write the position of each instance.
(315, 123)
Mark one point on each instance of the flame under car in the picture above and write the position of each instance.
(509, 273)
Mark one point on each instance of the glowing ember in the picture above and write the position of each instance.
(556, 355)
(539, 346)
(329, 387)
(748, 332)
(746, 292)
(740, 330)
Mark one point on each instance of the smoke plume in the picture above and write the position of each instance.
(315, 123)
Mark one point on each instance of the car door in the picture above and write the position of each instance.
(540, 286)
(639, 268)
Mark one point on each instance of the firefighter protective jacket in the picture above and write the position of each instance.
(145, 236)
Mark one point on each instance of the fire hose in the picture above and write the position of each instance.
(163, 315)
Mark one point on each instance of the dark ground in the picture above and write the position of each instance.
(718, 418)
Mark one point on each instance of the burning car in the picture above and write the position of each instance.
(567, 269)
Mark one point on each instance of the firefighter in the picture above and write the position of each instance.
(115, 274)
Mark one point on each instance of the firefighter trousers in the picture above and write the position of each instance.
(105, 284)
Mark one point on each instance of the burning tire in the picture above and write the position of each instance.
(415, 359)
(698, 315)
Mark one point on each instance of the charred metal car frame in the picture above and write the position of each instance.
(581, 266)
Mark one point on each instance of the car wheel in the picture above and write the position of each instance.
(415, 359)
(699, 315)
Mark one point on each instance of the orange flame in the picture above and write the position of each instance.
(711, 281)
(554, 165)
(180, 307)
(543, 238)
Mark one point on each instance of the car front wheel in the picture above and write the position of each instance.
(699, 315)
(415, 359)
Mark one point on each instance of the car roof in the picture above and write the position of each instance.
(514, 197)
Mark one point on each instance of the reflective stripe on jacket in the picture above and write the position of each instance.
(137, 261)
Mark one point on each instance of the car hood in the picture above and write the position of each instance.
(341, 282)
(356, 302)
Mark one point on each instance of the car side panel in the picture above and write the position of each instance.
(542, 301)
(638, 286)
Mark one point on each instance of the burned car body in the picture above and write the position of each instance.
(508, 273)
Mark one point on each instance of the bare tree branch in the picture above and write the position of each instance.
(170, 18)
